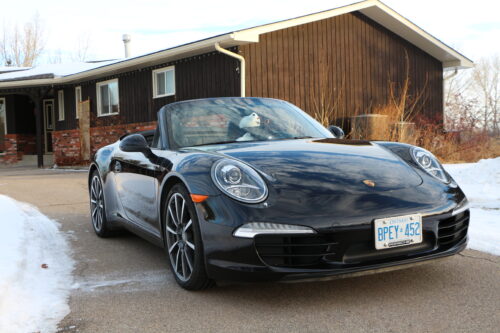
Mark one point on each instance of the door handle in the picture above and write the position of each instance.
(118, 166)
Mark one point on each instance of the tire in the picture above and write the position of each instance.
(183, 243)
(98, 207)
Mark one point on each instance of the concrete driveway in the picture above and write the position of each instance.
(123, 284)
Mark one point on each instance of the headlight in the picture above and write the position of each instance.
(239, 181)
(429, 163)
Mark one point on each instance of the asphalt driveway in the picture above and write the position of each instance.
(123, 284)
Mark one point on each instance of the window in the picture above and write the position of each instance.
(78, 99)
(108, 102)
(60, 104)
(164, 82)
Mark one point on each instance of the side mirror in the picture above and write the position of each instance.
(337, 132)
(134, 143)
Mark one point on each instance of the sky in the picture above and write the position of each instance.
(471, 27)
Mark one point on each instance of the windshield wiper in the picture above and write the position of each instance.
(293, 138)
(236, 141)
(223, 142)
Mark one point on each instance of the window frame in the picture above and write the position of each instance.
(98, 94)
(60, 105)
(77, 88)
(155, 82)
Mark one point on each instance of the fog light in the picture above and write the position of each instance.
(250, 230)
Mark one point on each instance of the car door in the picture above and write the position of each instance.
(136, 186)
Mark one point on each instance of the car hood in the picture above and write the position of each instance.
(324, 166)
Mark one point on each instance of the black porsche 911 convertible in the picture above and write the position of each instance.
(252, 189)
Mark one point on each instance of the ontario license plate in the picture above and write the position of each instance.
(398, 231)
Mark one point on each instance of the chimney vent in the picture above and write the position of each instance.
(126, 42)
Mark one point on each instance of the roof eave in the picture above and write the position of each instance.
(187, 50)
(380, 13)
(401, 26)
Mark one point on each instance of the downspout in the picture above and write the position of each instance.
(242, 66)
(452, 75)
(446, 78)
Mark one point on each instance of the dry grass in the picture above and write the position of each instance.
(462, 147)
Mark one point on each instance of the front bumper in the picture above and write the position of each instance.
(330, 253)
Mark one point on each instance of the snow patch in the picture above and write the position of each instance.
(35, 270)
(481, 184)
(126, 282)
(57, 70)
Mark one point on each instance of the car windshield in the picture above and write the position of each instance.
(227, 120)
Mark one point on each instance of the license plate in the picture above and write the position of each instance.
(398, 231)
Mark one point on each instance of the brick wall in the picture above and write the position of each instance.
(26, 144)
(105, 135)
(66, 146)
(67, 143)
(16, 146)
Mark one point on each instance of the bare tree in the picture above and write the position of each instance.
(486, 84)
(22, 46)
(460, 104)
(55, 57)
(472, 98)
(82, 48)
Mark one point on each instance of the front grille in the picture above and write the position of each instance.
(354, 246)
(453, 229)
(294, 250)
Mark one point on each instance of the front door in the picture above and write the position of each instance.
(3, 124)
(49, 123)
(136, 186)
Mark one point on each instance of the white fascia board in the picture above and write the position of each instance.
(252, 34)
(179, 52)
(381, 14)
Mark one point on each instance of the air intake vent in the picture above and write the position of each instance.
(453, 229)
(294, 250)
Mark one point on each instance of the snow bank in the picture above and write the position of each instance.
(481, 183)
(35, 270)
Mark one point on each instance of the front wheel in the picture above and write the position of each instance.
(183, 240)
(98, 207)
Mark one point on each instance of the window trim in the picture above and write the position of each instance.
(155, 83)
(98, 94)
(60, 106)
(77, 88)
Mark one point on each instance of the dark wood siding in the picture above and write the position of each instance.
(207, 75)
(350, 55)
(70, 120)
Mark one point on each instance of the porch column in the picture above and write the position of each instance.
(37, 98)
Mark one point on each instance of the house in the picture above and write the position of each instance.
(354, 53)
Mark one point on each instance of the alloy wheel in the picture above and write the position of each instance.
(96, 203)
(180, 237)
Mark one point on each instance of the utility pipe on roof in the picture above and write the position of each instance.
(242, 66)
